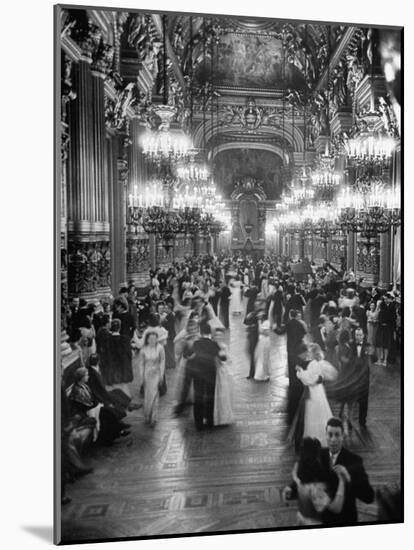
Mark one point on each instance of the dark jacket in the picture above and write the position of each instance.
(358, 488)
(128, 325)
(206, 352)
(295, 332)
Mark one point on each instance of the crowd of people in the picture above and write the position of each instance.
(335, 333)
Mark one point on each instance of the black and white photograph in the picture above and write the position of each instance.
(228, 273)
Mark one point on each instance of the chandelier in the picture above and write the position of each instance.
(299, 194)
(369, 207)
(164, 144)
(369, 145)
(324, 176)
(193, 171)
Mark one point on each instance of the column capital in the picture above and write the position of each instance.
(341, 122)
(320, 143)
(371, 86)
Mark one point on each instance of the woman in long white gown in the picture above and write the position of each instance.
(262, 354)
(152, 362)
(317, 410)
(236, 306)
(223, 394)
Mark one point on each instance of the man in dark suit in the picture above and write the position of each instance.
(121, 312)
(361, 359)
(296, 301)
(295, 332)
(206, 352)
(349, 465)
(336, 457)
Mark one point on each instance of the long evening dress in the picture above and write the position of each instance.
(236, 305)
(153, 369)
(223, 410)
(317, 410)
(262, 358)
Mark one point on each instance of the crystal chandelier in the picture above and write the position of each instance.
(164, 144)
(325, 176)
(193, 171)
(369, 145)
(369, 207)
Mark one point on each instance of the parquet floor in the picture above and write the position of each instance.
(174, 480)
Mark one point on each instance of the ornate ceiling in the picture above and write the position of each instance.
(237, 83)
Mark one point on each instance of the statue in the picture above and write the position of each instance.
(388, 117)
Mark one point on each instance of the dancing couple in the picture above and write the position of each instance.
(328, 480)
(203, 365)
(313, 410)
(258, 344)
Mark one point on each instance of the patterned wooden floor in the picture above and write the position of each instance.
(174, 480)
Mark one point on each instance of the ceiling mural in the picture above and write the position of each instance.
(254, 61)
(233, 165)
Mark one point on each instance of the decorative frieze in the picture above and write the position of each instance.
(367, 255)
(138, 255)
(89, 268)
(338, 251)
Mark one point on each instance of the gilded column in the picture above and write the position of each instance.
(350, 250)
(138, 255)
(301, 246)
(89, 272)
(196, 244)
(80, 173)
(385, 260)
(152, 251)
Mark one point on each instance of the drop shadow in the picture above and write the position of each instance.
(44, 533)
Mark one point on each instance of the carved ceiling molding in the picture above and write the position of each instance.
(206, 132)
(247, 145)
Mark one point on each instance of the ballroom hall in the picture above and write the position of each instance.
(228, 207)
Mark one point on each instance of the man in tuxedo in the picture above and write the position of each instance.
(206, 352)
(336, 457)
(295, 332)
(121, 312)
(296, 301)
(361, 359)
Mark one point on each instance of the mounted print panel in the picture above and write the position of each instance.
(228, 339)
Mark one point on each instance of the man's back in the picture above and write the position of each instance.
(295, 333)
(127, 323)
(206, 352)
